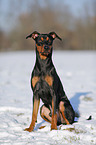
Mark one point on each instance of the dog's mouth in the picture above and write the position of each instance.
(46, 50)
(45, 53)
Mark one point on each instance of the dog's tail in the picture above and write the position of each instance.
(77, 115)
(89, 118)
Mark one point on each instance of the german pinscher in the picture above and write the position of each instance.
(46, 85)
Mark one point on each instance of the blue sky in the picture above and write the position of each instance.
(76, 4)
(76, 7)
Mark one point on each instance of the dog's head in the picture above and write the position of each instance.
(44, 43)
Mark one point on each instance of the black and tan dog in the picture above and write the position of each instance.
(46, 85)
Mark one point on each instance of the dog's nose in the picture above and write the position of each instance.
(46, 47)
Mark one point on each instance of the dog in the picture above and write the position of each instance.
(46, 85)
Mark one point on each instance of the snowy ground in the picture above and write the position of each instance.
(77, 71)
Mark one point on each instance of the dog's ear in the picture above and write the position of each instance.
(54, 35)
(33, 35)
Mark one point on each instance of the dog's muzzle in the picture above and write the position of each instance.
(46, 47)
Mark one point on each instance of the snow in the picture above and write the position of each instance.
(77, 70)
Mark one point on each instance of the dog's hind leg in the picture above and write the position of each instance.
(67, 113)
(62, 109)
(45, 113)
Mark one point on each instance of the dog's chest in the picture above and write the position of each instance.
(41, 80)
(42, 86)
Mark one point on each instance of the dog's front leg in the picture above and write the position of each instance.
(36, 103)
(54, 114)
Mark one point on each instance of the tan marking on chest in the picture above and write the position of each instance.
(49, 80)
(34, 81)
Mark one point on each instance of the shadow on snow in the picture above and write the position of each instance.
(75, 101)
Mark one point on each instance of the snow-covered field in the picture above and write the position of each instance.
(77, 71)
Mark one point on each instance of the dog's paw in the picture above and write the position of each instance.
(53, 127)
(28, 129)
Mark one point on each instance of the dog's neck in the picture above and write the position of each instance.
(44, 64)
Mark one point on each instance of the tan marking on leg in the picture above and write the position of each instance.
(54, 122)
(54, 118)
(45, 112)
(34, 81)
(42, 127)
(49, 80)
(34, 115)
(62, 108)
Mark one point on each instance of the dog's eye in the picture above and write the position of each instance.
(49, 42)
(39, 44)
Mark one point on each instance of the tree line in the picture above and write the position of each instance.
(77, 32)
